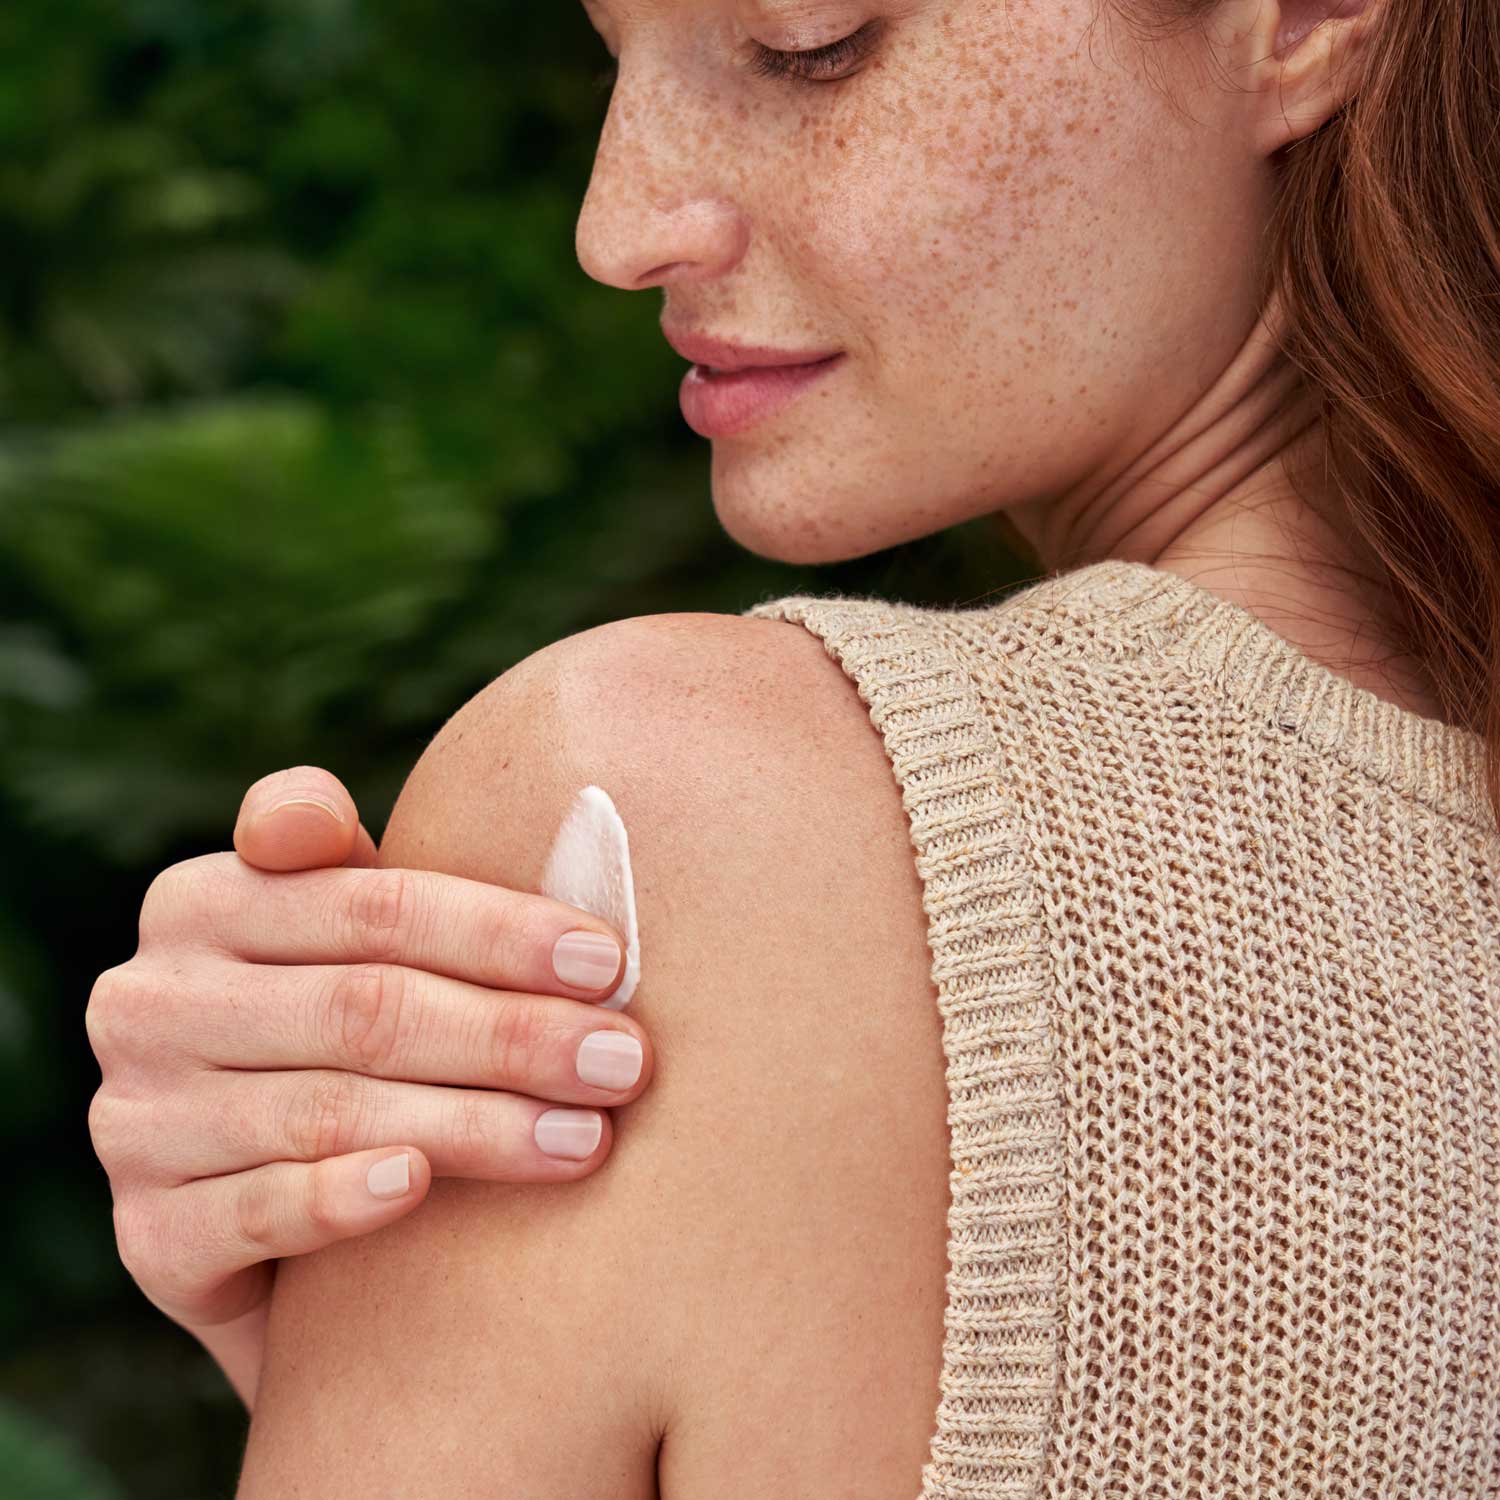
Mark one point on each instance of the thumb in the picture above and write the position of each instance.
(299, 819)
(364, 855)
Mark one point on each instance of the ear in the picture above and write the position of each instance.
(1308, 56)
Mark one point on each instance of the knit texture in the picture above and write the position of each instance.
(1216, 942)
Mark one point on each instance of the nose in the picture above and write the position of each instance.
(659, 208)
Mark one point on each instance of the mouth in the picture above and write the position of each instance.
(723, 356)
(708, 372)
(722, 403)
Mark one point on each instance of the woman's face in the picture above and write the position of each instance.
(1032, 237)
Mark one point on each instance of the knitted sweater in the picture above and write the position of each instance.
(1215, 936)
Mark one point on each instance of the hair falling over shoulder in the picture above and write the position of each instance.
(1383, 256)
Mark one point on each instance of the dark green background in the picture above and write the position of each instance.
(310, 425)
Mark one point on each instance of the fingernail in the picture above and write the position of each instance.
(609, 1060)
(574, 1133)
(585, 959)
(327, 807)
(390, 1178)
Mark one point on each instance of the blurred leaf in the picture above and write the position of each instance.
(41, 1465)
(33, 669)
(228, 576)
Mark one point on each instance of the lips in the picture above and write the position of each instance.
(720, 406)
(730, 358)
(712, 374)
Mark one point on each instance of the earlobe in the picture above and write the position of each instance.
(1311, 52)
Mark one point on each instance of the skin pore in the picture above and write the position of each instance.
(1034, 235)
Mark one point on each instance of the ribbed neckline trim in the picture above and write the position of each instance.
(1438, 763)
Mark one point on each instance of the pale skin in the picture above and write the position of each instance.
(1041, 269)
(1039, 263)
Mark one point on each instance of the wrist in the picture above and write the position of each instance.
(237, 1347)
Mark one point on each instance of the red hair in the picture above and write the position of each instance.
(1383, 251)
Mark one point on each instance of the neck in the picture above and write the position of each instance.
(1212, 500)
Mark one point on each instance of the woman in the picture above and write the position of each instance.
(1166, 885)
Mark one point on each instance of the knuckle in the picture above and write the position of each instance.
(104, 1127)
(130, 1136)
(101, 1013)
(511, 939)
(170, 896)
(473, 1137)
(378, 911)
(365, 1014)
(326, 1113)
(514, 1041)
(136, 1237)
(185, 896)
(258, 1213)
(322, 1208)
(161, 899)
(128, 1012)
(178, 1280)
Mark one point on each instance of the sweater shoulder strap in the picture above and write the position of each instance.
(990, 971)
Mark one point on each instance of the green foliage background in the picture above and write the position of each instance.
(310, 425)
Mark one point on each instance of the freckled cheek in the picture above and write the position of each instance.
(906, 234)
(920, 252)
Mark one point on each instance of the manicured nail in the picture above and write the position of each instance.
(327, 807)
(574, 1133)
(390, 1178)
(585, 959)
(609, 1060)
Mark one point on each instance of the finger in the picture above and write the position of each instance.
(298, 819)
(244, 1120)
(407, 1024)
(363, 856)
(224, 1228)
(466, 929)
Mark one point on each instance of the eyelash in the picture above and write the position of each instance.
(768, 63)
(850, 49)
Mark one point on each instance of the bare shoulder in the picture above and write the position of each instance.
(768, 1234)
(696, 714)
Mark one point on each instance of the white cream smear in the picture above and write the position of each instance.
(589, 867)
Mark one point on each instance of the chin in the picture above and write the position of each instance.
(800, 534)
(791, 538)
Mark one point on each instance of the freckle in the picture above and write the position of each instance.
(838, 141)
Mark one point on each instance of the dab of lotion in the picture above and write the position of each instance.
(589, 867)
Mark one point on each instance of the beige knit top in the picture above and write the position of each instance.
(1216, 940)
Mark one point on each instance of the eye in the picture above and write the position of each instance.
(817, 65)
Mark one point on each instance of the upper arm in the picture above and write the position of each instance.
(749, 1288)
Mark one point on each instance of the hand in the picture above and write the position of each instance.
(293, 1017)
